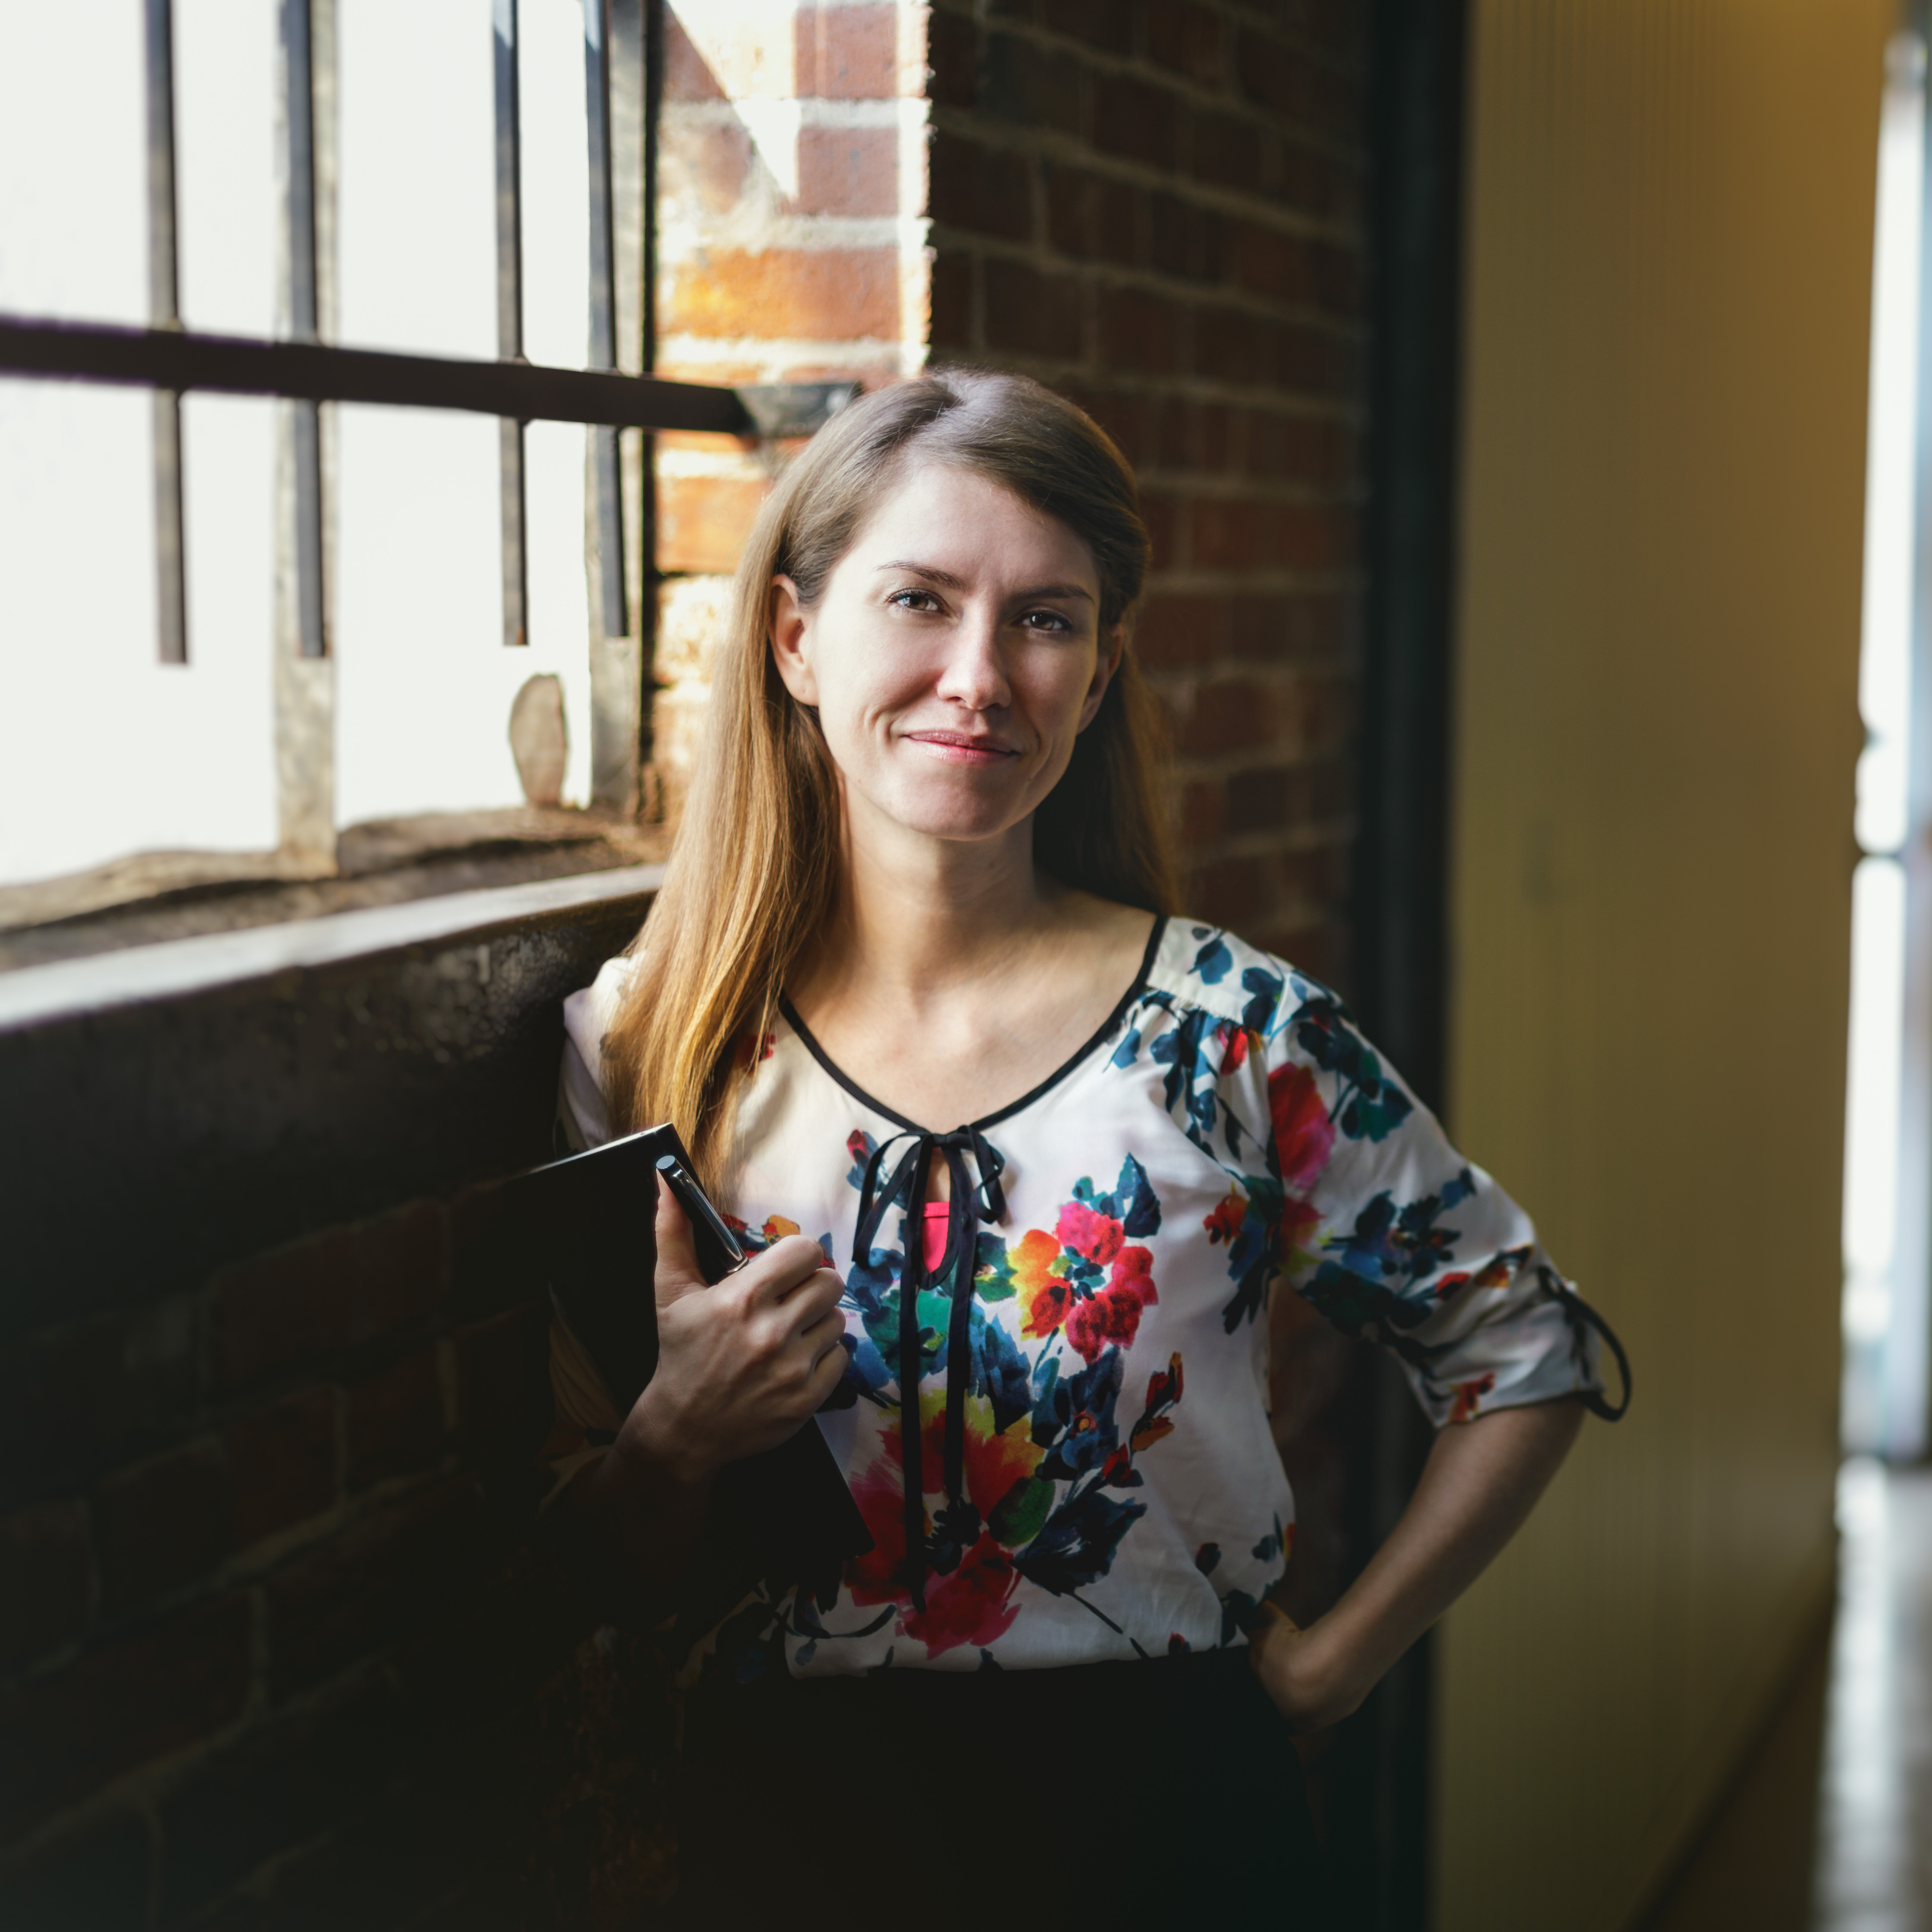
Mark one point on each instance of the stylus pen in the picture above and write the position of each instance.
(692, 1199)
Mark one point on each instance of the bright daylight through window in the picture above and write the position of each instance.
(267, 742)
(1888, 1199)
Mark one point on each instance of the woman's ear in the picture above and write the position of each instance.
(789, 628)
(1104, 669)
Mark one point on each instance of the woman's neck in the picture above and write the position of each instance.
(953, 975)
(918, 917)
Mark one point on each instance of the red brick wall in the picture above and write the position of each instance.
(791, 180)
(1157, 206)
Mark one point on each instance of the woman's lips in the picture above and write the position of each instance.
(953, 746)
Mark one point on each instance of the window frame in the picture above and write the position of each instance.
(309, 372)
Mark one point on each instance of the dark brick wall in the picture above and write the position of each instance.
(306, 1662)
(282, 1639)
(1157, 205)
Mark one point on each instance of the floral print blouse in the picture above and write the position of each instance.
(1090, 1466)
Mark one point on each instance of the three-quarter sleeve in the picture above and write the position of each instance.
(1345, 1188)
(582, 1115)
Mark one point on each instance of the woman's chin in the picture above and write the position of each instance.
(957, 821)
(972, 811)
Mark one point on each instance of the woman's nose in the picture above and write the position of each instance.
(975, 673)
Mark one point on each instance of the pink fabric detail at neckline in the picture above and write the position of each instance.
(936, 1212)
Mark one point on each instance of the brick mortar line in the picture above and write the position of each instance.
(799, 232)
(1141, 66)
(815, 110)
(1050, 144)
(994, 248)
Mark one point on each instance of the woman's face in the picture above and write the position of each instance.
(954, 656)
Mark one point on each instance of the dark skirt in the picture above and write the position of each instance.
(1167, 1791)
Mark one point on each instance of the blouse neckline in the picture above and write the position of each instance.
(1104, 1031)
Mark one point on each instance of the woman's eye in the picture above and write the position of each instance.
(1050, 621)
(914, 600)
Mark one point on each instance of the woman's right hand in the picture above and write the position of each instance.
(743, 1365)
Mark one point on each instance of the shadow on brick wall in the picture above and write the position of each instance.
(322, 1662)
(284, 1640)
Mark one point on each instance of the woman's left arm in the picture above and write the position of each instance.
(1482, 1479)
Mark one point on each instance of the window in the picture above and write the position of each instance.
(264, 591)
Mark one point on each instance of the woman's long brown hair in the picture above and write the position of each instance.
(753, 878)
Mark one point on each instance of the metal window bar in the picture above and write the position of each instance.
(510, 315)
(322, 373)
(299, 65)
(164, 312)
(609, 476)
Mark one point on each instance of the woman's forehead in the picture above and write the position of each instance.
(957, 520)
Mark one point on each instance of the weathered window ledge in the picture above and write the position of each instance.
(173, 1106)
(160, 896)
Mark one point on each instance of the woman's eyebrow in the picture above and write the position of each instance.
(933, 574)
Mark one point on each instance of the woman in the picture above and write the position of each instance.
(921, 879)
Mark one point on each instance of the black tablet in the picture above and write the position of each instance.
(587, 1225)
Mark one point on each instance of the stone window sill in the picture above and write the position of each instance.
(163, 897)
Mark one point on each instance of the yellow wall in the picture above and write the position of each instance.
(1669, 289)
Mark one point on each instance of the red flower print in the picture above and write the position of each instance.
(972, 1606)
(1225, 1223)
(1296, 1217)
(1134, 1269)
(1235, 1041)
(1303, 1134)
(1098, 1237)
(872, 1577)
(1469, 1396)
(993, 1464)
(1114, 1314)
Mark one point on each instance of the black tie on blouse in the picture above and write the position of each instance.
(905, 1189)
